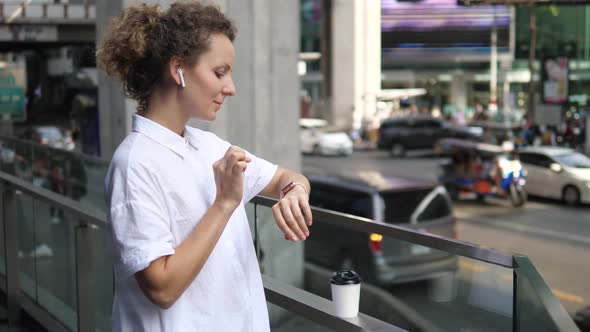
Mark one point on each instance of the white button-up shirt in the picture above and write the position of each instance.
(158, 188)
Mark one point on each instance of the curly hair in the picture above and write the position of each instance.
(139, 43)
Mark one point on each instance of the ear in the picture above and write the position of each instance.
(173, 65)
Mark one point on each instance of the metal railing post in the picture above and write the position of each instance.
(85, 278)
(44, 10)
(11, 253)
(65, 10)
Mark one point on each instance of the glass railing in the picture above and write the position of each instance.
(413, 280)
(57, 259)
(77, 176)
(420, 281)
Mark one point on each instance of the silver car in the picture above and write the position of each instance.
(559, 173)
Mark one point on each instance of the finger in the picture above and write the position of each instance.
(234, 150)
(290, 220)
(306, 209)
(289, 235)
(238, 156)
(239, 167)
(229, 151)
(298, 216)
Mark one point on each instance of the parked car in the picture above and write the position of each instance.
(559, 173)
(381, 260)
(400, 135)
(318, 138)
(52, 136)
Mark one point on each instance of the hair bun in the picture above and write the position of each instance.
(131, 29)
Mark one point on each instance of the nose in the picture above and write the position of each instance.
(229, 89)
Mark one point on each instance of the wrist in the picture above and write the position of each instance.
(293, 188)
(225, 206)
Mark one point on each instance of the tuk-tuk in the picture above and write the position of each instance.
(483, 169)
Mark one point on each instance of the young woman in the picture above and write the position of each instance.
(183, 253)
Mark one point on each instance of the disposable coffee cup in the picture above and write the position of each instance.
(346, 292)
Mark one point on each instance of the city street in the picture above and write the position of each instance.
(555, 237)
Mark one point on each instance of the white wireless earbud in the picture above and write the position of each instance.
(181, 77)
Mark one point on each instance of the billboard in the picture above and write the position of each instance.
(554, 73)
(442, 31)
(12, 92)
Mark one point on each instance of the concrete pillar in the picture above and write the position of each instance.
(356, 61)
(459, 92)
(263, 115)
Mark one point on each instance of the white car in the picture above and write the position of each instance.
(318, 138)
(557, 173)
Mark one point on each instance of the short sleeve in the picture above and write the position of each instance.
(258, 175)
(141, 234)
(138, 218)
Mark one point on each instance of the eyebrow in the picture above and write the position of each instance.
(225, 66)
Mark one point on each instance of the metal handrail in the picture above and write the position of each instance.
(461, 248)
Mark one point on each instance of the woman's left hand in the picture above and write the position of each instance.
(293, 214)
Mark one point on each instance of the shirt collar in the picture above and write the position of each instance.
(163, 135)
(192, 136)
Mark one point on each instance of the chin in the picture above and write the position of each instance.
(208, 117)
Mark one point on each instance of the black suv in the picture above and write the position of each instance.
(381, 260)
(412, 133)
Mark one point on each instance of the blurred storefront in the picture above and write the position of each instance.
(445, 48)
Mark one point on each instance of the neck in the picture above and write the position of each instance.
(165, 110)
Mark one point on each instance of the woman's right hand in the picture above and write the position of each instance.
(229, 177)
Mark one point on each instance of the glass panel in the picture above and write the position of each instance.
(55, 262)
(282, 320)
(104, 279)
(407, 285)
(531, 313)
(280, 259)
(535, 302)
(26, 243)
(8, 159)
(76, 176)
(90, 176)
(23, 163)
(44, 168)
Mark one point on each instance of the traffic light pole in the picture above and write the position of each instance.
(532, 47)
